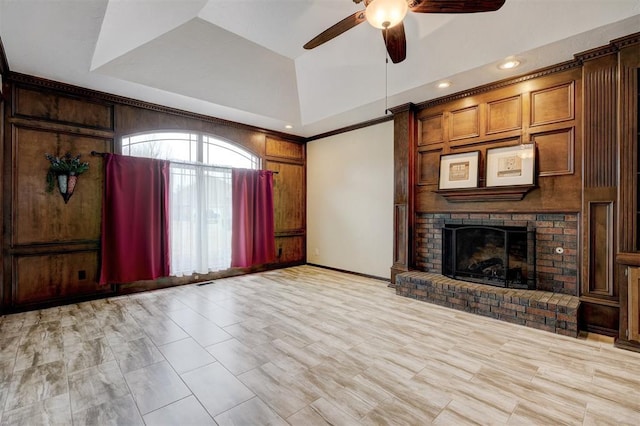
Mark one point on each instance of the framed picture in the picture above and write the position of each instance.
(511, 165)
(459, 170)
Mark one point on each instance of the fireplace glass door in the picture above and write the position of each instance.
(499, 256)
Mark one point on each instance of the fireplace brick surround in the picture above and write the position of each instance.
(555, 272)
(552, 306)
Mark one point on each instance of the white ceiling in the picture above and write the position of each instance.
(242, 60)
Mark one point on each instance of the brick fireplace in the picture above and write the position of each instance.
(555, 272)
(550, 303)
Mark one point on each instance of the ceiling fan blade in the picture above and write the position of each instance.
(454, 6)
(334, 31)
(396, 42)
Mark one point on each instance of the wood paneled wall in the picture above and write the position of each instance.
(4, 89)
(582, 117)
(633, 325)
(288, 159)
(404, 137)
(52, 248)
(543, 109)
(600, 290)
(627, 235)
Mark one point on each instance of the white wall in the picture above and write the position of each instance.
(350, 201)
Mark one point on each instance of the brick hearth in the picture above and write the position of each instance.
(554, 312)
(553, 306)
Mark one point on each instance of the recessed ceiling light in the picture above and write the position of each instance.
(509, 63)
(444, 84)
(288, 126)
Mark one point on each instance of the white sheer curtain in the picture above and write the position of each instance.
(200, 198)
(200, 229)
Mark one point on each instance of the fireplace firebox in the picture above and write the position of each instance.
(502, 256)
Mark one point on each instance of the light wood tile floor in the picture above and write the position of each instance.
(301, 346)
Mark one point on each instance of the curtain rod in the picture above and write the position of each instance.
(102, 154)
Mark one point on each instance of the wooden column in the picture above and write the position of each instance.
(404, 138)
(628, 253)
(599, 291)
(4, 87)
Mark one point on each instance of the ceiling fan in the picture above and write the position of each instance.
(388, 15)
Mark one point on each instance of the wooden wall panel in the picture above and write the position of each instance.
(290, 249)
(552, 105)
(634, 303)
(42, 217)
(628, 154)
(54, 276)
(504, 115)
(48, 243)
(432, 130)
(600, 286)
(62, 109)
(428, 167)
(465, 123)
(284, 149)
(629, 149)
(600, 131)
(289, 196)
(598, 318)
(288, 159)
(405, 137)
(600, 249)
(556, 152)
(400, 254)
(3, 173)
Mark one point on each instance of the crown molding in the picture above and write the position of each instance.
(357, 126)
(627, 40)
(564, 66)
(403, 108)
(68, 89)
(596, 53)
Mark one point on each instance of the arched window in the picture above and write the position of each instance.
(189, 148)
(200, 194)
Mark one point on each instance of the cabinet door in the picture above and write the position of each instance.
(634, 303)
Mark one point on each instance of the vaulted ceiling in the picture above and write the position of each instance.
(242, 60)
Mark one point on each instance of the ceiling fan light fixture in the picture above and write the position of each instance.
(386, 13)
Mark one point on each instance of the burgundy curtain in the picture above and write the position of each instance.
(253, 228)
(135, 220)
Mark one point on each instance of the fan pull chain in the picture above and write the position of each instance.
(386, 69)
(386, 84)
